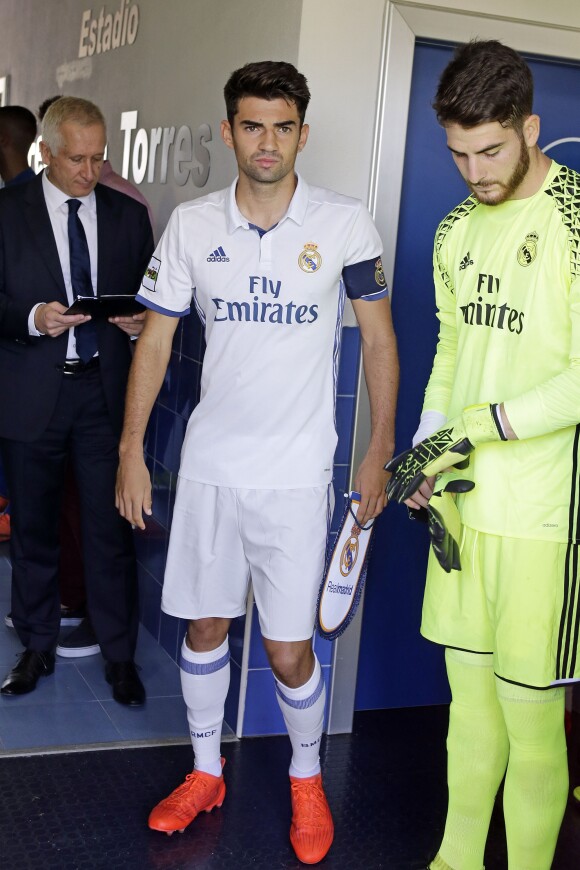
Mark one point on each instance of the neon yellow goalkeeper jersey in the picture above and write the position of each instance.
(507, 281)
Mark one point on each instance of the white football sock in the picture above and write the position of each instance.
(303, 711)
(205, 679)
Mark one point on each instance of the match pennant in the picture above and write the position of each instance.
(345, 573)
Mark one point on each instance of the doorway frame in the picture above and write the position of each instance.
(403, 24)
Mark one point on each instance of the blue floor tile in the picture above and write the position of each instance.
(74, 706)
(160, 718)
(65, 686)
(53, 725)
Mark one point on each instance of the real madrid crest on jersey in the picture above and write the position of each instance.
(528, 251)
(310, 260)
(379, 274)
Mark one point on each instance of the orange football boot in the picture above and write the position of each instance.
(200, 792)
(312, 829)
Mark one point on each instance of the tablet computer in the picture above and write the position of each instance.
(106, 306)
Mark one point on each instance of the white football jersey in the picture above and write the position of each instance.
(271, 304)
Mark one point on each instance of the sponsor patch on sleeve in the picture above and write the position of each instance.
(151, 274)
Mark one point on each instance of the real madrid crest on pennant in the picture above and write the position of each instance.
(528, 251)
(349, 553)
(310, 260)
(345, 573)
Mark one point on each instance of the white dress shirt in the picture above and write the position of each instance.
(57, 205)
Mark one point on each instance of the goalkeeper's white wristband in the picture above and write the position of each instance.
(430, 421)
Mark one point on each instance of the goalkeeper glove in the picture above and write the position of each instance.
(449, 446)
(444, 521)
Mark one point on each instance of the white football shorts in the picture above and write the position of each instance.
(221, 538)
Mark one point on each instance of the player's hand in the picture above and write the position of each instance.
(132, 325)
(50, 319)
(133, 490)
(420, 498)
(447, 447)
(370, 480)
(444, 521)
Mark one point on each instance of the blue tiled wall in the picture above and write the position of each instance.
(177, 398)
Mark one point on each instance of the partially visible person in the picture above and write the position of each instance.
(63, 235)
(504, 394)
(112, 179)
(82, 641)
(17, 133)
(4, 508)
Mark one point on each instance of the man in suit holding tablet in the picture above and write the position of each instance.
(61, 236)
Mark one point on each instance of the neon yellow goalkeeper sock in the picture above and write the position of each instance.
(536, 783)
(477, 747)
(439, 864)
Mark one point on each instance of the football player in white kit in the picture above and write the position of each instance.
(267, 264)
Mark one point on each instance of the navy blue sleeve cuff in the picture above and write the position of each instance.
(365, 280)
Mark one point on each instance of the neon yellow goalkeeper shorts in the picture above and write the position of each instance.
(518, 599)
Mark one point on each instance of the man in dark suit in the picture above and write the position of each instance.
(63, 235)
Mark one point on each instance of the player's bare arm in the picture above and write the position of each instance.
(381, 369)
(133, 489)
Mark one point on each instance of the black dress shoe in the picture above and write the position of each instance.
(127, 687)
(24, 677)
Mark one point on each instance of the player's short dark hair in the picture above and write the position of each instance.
(268, 80)
(20, 124)
(486, 81)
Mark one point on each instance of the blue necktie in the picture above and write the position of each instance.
(80, 274)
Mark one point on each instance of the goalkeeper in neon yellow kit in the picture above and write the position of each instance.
(504, 394)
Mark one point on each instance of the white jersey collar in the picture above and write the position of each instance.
(296, 209)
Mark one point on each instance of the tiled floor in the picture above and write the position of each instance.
(88, 809)
(385, 785)
(74, 709)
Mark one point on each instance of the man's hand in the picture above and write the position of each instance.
(132, 325)
(370, 481)
(447, 447)
(133, 490)
(420, 498)
(444, 521)
(50, 319)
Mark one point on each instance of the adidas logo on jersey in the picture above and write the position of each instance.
(218, 256)
(467, 261)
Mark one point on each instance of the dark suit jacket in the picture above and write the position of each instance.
(30, 272)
